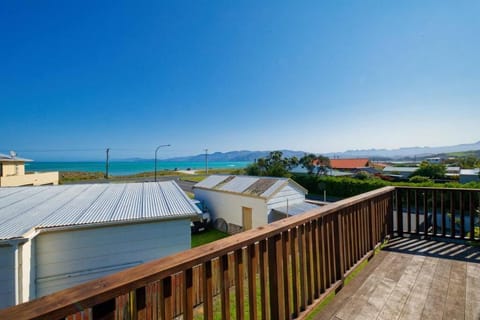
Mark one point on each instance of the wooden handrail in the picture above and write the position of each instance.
(96, 292)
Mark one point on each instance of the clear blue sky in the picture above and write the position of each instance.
(229, 75)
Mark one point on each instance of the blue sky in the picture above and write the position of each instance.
(79, 76)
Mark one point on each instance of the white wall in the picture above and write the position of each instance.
(7, 276)
(67, 258)
(229, 206)
(27, 273)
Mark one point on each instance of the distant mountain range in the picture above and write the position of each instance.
(243, 155)
(380, 154)
(409, 152)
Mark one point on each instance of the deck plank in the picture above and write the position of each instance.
(472, 304)
(435, 301)
(455, 303)
(427, 280)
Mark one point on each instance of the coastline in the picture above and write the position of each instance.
(127, 168)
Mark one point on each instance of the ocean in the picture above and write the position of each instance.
(119, 168)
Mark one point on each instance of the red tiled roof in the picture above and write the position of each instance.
(348, 163)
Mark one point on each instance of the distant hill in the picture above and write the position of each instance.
(409, 152)
(243, 155)
(376, 154)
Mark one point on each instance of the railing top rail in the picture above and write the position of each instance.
(436, 188)
(86, 295)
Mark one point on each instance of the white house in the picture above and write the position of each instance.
(12, 173)
(245, 202)
(469, 175)
(401, 172)
(54, 237)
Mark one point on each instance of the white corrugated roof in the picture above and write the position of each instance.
(263, 187)
(470, 172)
(4, 157)
(297, 208)
(25, 208)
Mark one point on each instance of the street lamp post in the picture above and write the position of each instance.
(156, 150)
(206, 161)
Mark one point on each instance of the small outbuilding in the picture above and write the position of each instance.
(469, 175)
(12, 173)
(54, 237)
(238, 203)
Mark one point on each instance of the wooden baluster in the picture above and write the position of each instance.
(398, 193)
(275, 278)
(224, 287)
(252, 282)
(301, 266)
(462, 215)
(434, 212)
(294, 257)
(286, 274)
(315, 264)
(339, 249)
(452, 213)
(471, 210)
(409, 220)
(308, 262)
(417, 211)
(263, 278)
(443, 213)
(425, 213)
(240, 310)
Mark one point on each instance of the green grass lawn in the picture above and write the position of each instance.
(207, 236)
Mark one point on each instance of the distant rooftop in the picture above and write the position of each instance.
(9, 158)
(349, 163)
(23, 209)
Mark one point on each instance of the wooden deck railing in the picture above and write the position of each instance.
(278, 271)
(433, 212)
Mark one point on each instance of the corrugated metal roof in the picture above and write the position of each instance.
(211, 181)
(297, 208)
(262, 187)
(400, 169)
(470, 172)
(239, 184)
(25, 208)
(4, 157)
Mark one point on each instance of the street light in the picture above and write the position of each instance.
(156, 150)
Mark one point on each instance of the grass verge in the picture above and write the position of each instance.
(207, 236)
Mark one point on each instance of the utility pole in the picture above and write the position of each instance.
(206, 161)
(106, 164)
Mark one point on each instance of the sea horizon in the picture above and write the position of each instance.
(129, 167)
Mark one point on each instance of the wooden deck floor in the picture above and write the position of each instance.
(413, 279)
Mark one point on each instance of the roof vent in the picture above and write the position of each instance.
(13, 154)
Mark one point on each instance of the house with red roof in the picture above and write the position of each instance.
(349, 164)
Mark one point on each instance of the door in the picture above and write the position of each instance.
(247, 218)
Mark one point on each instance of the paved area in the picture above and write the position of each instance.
(413, 279)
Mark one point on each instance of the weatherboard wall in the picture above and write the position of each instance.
(228, 206)
(69, 257)
(7, 276)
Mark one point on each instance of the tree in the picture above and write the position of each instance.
(274, 165)
(312, 163)
(307, 162)
(430, 170)
(322, 164)
(469, 162)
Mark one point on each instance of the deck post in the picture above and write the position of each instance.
(399, 212)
